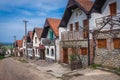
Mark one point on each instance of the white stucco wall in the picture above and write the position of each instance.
(61, 29)
(73, 19)
(36, 45)
(57, 44)
(23, 44)
(105, 12)
(49, 56)
(38, 41)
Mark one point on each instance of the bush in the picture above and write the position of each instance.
(73, 57)
(2, 57)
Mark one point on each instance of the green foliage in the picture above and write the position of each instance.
(4, 49)
(2, 57)
(73, 57)
(94, 66)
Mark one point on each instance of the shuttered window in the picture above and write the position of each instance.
(77, 26)
(71, 27)
(116, 43)
(85, 25)
(35, 39)
(113, 9)
(102, 43)
(83, 51)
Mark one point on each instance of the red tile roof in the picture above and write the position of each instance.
(24, 38)
(86, 4)
(38, 31)
(30, 33)
(54, 23)
(19, 43)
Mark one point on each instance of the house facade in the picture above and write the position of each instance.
(36, 42)
(18, 48)
(73, 33)
(105, 21)
(30, 44)
(24, 39)
(50, 39)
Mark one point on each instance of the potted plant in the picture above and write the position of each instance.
(74, 62)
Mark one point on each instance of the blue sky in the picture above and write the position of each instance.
(13, 12)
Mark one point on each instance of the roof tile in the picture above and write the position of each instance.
(86, 4)
(54, 23)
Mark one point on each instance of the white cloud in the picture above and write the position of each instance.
(35, 11)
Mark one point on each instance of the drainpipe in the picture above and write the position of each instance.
(88, 17)
(55, 50)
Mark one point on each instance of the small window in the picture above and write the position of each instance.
(35, 39)
(77, 26)
(52, 52)
(85, 34)
(116, 43)
(113, 8)
(47, 51)
(24, 43)
(102, 43)
(86, 25)
(83, 51)
(71, 27)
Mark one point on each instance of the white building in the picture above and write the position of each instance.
(36, 41)
(24, 45)
(73, 33)
(50, 39)
(30, 44)
(105, 17)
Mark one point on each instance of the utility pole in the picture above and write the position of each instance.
(14, 45)
(26, 36)
(14, 40)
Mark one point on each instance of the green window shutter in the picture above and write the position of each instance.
(51, 35)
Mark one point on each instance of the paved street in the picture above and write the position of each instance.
(11, 69)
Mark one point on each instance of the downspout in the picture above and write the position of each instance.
(55, 50)
(88, 17)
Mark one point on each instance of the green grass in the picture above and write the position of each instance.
(1, 57)
(94, 66)
(118, 70)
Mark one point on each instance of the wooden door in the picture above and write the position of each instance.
(65, 55)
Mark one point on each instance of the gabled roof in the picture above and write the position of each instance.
(24, 38)
(52, 23)
(19, 43)
(98, 4)
(84, 5)
(38, 31)
(30, 33)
